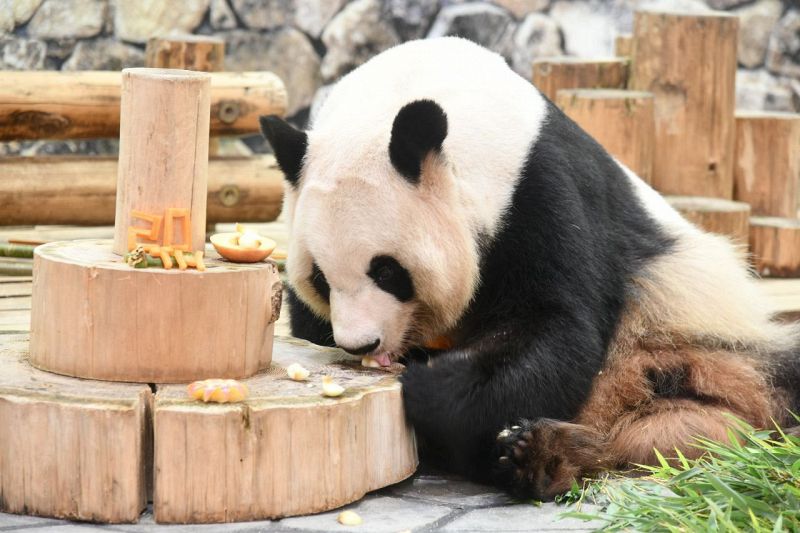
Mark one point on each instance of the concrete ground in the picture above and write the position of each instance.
(426, 502)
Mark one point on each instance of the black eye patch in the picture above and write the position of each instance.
(320, 283)
(391, 277)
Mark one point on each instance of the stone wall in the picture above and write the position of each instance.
(311, 43)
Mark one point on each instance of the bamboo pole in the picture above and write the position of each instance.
(553, 74)
(85, 105)
(689, 63)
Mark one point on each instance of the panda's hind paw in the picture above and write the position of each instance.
(540, 459)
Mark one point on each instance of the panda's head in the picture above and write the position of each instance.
(380, 243)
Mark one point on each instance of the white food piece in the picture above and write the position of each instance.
(249, 240)
(331, 389)
(370, 362)
(349, 518)
(296, 372)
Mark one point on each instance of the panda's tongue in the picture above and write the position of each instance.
(384, 359)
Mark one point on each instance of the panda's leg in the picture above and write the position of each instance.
(305, 324)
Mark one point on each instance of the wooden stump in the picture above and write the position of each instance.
(86, 105)
(189, 52)
(623, 45)
(689, 63)
(553, 74)
(82, 190)
(775, 246)
(163, 152)
(70, 448)
(622, 121)
(767, 169)
(287, 450)
(715, 215)
(95, 317)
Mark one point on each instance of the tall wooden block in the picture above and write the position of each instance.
(623, 45)
(725, 217)
(555, 73)
(163, 149)
(767, 170)
(689, 63)
(775, 246)
(622, 121)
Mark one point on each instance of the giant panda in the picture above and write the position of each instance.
(556, 316)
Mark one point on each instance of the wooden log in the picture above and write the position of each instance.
(775, 246)
(85, 105)
(623, 45)
(287, 450)
(767, 169)
(81, 190)
(163, 153)
(188, 52)
(553, 74)
(95, 317)
(70, 448)
(622, 121)
(689, 63)
(715, 215)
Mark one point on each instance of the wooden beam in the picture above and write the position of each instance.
(85, 105)
(81, 190)
(621, 121)
(555, 73)
(767, 169)
(190, 52)
(725, 217)
(689, 63)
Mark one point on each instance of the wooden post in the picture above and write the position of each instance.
(622, 121)
(715, 215)
(82, 190)
(623, 45)
(767, 170)
(689, 63)
(775, 246)
(85, 105)
(163, 150)
(555, 73)
(188, 52)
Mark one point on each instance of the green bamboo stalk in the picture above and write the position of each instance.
(16, 250)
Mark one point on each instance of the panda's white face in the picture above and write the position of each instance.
(391, 264)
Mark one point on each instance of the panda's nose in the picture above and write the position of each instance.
(361, 350)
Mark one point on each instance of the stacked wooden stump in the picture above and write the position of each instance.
(665, 107)
(96, 416)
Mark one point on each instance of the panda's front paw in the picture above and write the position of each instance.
(540, 459)
(420, 394)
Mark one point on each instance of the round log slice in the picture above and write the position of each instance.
(95, 317)
(287, 450)
(70, 448)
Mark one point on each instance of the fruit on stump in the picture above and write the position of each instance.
(243, 246)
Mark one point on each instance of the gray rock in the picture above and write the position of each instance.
(537, 36)
(380, 514)
(483, 23)
(521, 8)
(448, 490)
(6, 18)
(16, 12)
(58, 51)
(221, 15)
(312, 16)
(354, 35)
(725, 4)
(104, 54)
(22, 54)
(264, 14)
(758, 90)
(522, 517)
(411, 18)
(755, 25)
(286, 52)
(137, 21)
(590, 26)
(783, 51)
(58, 19)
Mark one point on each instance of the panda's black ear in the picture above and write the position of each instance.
(418, 129)
(288, 143)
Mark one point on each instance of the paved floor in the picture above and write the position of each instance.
(426, 502)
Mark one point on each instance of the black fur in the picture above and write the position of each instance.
(320, 283)
(305, 324)
(418, 129)
(288, 143)
(553, 286)
(391, 277)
